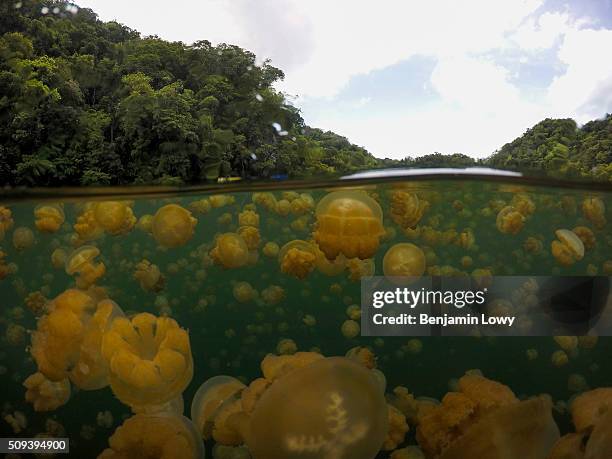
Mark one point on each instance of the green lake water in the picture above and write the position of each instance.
(231, 338)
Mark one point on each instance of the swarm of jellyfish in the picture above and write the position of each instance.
(230, 323)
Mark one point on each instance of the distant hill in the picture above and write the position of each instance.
(560, 148)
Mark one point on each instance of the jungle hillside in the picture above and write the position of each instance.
(86, 102)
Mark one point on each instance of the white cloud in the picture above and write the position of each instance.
(476, 104)
(476, 84)
(538, 33)
(582, 91)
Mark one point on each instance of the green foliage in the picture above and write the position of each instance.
(86, 102)
(560, 149)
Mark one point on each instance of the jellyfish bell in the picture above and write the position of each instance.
(79, 258)
(173, 226)
(404, 262)
(525, 429)
(44, 394)
(163, 435)
(58, 258)
(350, 223)
(81, 262)
(332, 407)
(23, 238)
(149, 359)
(568, 248)
(115, 217)
(66, 342)
(210, 398)
(594, 210)
(406, 208)
(49, 217)
(297, 258)
(509, 220)
(230, 251)
(145, 223)
(91, 370)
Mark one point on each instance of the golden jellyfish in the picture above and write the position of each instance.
(273, 294)
(230, 251)
(145, 223)
(360, 268)
(15, 335)
(348, 223)
(592, 417)
(149, 276)
(404, 260)
(594, 210)
(49, 217)
(173, 226)
(248, 218)
(586, 235)
(283, 207)
(297, 258)
(350, 329)
(568, 249)
(201, 206)
(271, 249)
(286, 346)
(5, 268)
(221, 200)
(161, 435)
(44, 394)
(23, 238)
(212, 397)
(36, 303)
(523, 203)
(58, 258)
(509, 220)
(81, 262)
(251, 236)
(559, 358)
(329, 267)
(265, 200)
(532, 245)
(362, 355)
(149, 359)
(407, 209)
(485, 419)
(303, 204)
(66, 342)
(243, 292)
(86, 226)
(330, 408)
(6, 221)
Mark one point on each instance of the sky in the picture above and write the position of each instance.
(406, 77)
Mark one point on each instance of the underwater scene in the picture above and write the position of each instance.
(225, 322)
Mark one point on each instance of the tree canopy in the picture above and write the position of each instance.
(87, 102)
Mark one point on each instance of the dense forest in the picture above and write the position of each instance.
(87, 102)
(561, 149)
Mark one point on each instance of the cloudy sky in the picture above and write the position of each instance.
(406, 77)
